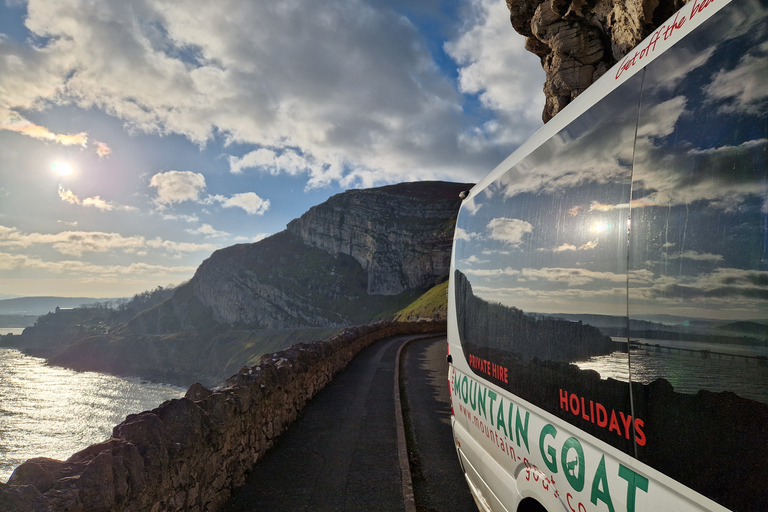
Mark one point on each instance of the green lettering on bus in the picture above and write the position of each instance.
(635, 482)
(550, 457)
(493, 397)
(481, 400)
(570, 468)
(521, 429)
(603, 494)
(500, 423)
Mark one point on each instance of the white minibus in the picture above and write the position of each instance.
(608, 301)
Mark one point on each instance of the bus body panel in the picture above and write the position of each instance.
(609, 290)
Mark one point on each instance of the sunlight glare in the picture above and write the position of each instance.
(61, 168)
(600, 227)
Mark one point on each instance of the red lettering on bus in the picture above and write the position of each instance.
(574, 408)
(614, 423)
(626, 421)
(602, 422)
(639, 434)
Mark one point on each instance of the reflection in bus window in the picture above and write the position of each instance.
(698, 294)
(541, 261)
(556, 304)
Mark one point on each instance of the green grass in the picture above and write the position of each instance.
(432, 304)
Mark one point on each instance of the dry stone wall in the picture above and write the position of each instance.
(190, 453)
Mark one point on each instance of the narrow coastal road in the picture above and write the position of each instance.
(341, 454)
(438, 481)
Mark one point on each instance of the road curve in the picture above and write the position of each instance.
(341, 453)
(438, 481)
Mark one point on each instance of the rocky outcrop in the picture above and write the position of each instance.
(401, 234)
(579, 40)
(349, 261)
(189, 454)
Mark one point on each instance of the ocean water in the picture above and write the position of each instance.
(46, 411)
(688, 370)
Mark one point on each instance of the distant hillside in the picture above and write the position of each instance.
(362, 255)
(42, 305)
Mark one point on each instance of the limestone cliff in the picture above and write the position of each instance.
(350, 260)
(401, 235)
(579, 40)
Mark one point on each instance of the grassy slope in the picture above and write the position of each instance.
(433, 305)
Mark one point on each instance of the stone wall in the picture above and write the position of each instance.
(190, 453)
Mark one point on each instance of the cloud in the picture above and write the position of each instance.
(566, 247)
(572, 276)
(68, 196)
(474, 260)
(248, 201)
(38, 132)
(177, 187)
(697, 256)
(604, 301)
(11, 120)
(252, 239)
(184, 218)
(745, 87)
(723, 176)
(76, 243)
(510, 231)
(95, 202)
(599, 207)
(98, 203)
(102, 149)
(207, 230)
(288, 161)
(726, 293)
(18, 261)
(461, 234)
(350, 94)
(180, 186)
(494, 64)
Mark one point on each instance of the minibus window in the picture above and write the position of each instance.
(540, 270)
(698, 295)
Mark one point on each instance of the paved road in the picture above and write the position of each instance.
(341, 454)
(438, 481)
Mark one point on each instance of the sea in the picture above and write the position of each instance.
(690, 367)
(48, 411)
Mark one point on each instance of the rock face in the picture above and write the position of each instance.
(401, 235)
(342, 263)
(579, 40)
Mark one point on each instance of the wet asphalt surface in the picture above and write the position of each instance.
(438, 481)
(341, 454)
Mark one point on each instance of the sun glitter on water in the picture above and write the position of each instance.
(61, 168)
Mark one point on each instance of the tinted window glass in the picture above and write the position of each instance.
(698, 292)
(540, 280)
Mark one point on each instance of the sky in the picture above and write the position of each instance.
(137, 137)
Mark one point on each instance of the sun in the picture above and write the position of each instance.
(61, 168)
